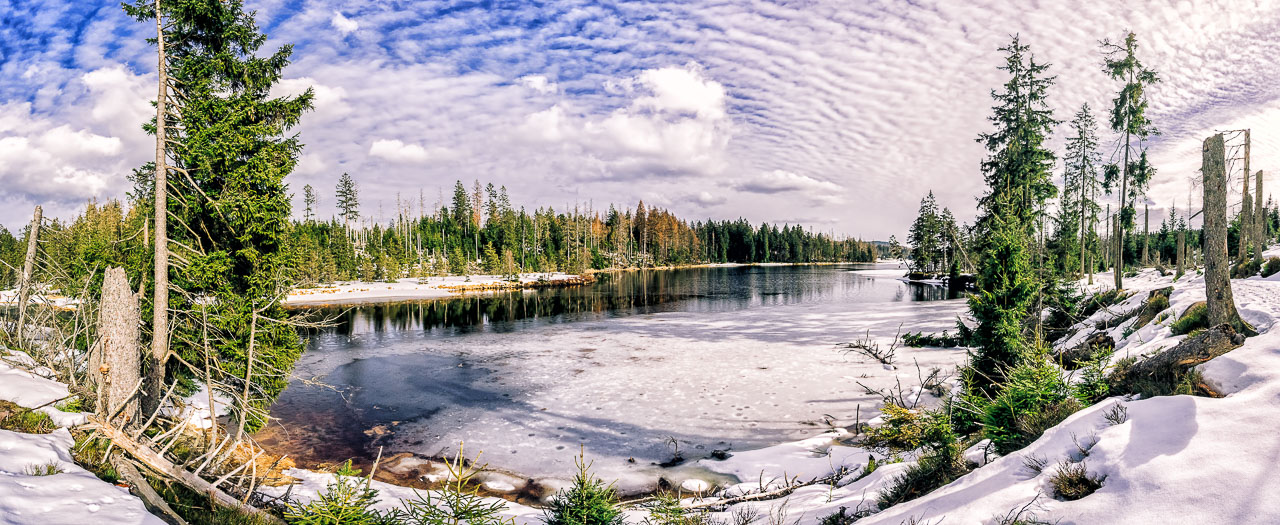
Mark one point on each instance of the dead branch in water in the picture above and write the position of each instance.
(869, 347)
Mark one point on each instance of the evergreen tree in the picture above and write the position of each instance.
(1018, 167)
(348, 199)
(925, 235)
(1017, 173)
(1129, 119)
(232, 199)
(1078, 213)
(308, 200)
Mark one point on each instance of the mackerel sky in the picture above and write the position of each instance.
(838, 115)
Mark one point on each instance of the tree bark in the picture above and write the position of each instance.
(1180, 252)
(1163, 371)
(160, 304)
(1259, 219)
(28, 272)
(1246, 206)
(1146, 230)
(115, 368)
(1217, 268)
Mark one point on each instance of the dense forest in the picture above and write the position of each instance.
(479, 232)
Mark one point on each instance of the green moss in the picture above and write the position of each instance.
(1195, 317)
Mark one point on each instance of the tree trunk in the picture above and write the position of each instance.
(160, 304)
(1246, 206)
(1180, 251)
(1161, 373)
(28, 272)
(1217, 269)
(1146, 230)
(115, 368)
(1259, 219)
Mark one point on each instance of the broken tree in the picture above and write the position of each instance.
(1217, 269)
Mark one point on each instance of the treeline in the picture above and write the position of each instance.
(480, 231)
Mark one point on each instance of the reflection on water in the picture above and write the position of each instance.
(628, 293)
(389, 365)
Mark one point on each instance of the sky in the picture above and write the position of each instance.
(836, 115)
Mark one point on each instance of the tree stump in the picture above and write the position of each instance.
(1217, 268)
(115, 368)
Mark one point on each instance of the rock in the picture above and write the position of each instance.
(695, 485)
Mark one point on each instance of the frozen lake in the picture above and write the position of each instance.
(709, 358)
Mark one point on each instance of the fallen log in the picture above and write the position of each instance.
(1075, 357)
(152, 500)
(164, 467)
(1160, 374)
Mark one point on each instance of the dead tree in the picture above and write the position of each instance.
(114, 365)
(1180, 251)
(1258, 230)
(28, 272)
(1217, 269)
(1146, 233)
(1246, 205)
(160, 304)
(1161, 373)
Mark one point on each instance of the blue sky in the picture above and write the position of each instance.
(837, 115)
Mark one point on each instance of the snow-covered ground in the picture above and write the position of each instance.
(352, 292)
(1177, 459)
(72, 496)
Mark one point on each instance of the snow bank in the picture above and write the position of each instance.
(354, 292)
(73, 496)
(1176, 459)
(26, 389)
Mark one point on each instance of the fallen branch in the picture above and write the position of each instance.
(166, 468)
(153, 501)
(833, 478)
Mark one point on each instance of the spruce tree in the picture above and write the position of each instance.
(348, 199)
(1079, 210)
(231, 199)
(1129, 119)
(1017, 172)
(308, 200)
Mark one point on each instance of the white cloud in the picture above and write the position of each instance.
(781, 181)
(539, 83)
(343, 24)
(396, 150)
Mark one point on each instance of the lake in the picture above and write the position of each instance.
(629, 370)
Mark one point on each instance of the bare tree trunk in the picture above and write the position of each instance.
(28, 272)
(160, 305)
(1217, 277)
(1180, 251)
(1259, 219)
(1146, 229)
(1246, 206)
(115, 368)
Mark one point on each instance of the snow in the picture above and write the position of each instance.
(623, 386)
(310, 484)
(26, 389)
(1176, 459)
(45, 297)
(354, 292)
(73, 496)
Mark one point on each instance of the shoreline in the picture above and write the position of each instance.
(346, 293)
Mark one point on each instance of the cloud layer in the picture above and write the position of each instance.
(836, 115)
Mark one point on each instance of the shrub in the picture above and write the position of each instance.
(920, 339)
(941, 461)
(1195, 317)
(457, 502)
(666, 510)
(346, 501)
(589, 501)
(1093, 385)
(1246, 268)
(844, 517)
(1072, 481)
(1117, 414)
(1032, 399)
(1271, 267)
(902, 430)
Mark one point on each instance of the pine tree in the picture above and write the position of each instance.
(308, 200)
(1129, 119)
(1018, 168)
(348, 195)
(924, 236)
(1080, 207)
(232, 200)
(1017, 172)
